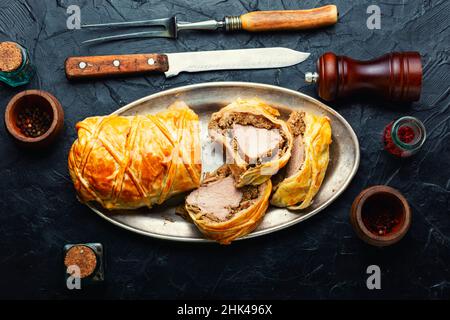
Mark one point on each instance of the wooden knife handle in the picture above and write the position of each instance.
(115, 65)
(289, 19)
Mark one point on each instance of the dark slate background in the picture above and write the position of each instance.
(320, 258)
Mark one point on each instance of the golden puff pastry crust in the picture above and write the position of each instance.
(237, 224)
(127, 162)
(251, 112)
(297, 191)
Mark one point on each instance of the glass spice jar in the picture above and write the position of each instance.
(404, 137)
(15, 65)
(84, 261)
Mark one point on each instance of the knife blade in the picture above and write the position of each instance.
(172, 64)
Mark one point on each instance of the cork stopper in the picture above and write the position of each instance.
(10, 56)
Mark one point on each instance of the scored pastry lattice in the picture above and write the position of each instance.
(124, 160)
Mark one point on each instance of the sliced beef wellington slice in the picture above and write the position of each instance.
(223, 212)
(306, 169)
(297, 126)
(217, 199)
(256, 144)
(256, 141)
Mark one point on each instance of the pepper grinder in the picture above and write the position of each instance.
(396, 76)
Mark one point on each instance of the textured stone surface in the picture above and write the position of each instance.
(321, 258)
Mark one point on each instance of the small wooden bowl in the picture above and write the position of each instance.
(382, 197)
(36, 99)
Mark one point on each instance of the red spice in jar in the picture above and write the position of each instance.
(382, 214)
(406, 134)
(404, 137)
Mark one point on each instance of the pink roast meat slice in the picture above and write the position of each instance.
(255, 142)
(217, 198)
(297, 157)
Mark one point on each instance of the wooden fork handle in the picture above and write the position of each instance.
(115, 65)
(289, 19)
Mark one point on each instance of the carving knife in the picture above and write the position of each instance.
(172, 64)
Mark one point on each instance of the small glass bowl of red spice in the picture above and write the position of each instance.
(34, 118)
(380, 215)
(404, 136)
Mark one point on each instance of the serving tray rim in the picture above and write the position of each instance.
(177, 90)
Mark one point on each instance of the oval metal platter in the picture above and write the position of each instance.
(204, 99)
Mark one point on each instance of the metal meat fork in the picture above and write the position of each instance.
(169, 28)
(253, 21)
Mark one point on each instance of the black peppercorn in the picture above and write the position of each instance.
(33, 122)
